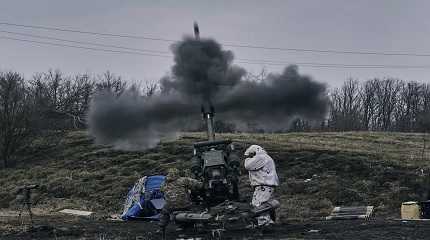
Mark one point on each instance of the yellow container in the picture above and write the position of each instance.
(410, 210)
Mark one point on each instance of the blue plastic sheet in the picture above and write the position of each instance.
(151, 201)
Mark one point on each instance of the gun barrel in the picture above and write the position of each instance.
(210, 123)
(208, 116)
(196, 31)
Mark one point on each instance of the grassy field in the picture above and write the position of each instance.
(317, 170)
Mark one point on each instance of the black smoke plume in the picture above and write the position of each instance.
(273, 103)
(202, 69)
(132, 122)
(204, 73)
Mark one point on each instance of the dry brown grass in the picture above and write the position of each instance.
(405, 148)
(348, 168)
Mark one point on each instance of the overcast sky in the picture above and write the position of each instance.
(359, 25)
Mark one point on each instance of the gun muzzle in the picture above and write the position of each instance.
(196, 31)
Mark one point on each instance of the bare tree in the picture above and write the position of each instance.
(387, 91)
(53, 81)
(368, 104)
(407, 110)
(15, 113)
(345, 106)
(261, 76)
(61, 101)
(424, 111)
(110, 82)
(151, 88)
(385, 105)
(77, 93)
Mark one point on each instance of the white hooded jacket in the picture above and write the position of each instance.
(261, 167)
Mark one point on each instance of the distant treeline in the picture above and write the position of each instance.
(54, 101)
(48, 101)
(380, 105)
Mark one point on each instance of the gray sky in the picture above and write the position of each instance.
(360, 25)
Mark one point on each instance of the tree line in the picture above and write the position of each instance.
(380, 105)
(48, 101)
(53, 101)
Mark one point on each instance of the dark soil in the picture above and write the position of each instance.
(77, 228)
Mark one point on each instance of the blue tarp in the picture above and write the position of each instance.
(151, 201)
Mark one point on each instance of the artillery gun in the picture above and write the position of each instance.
(214, 161)
(216, 164)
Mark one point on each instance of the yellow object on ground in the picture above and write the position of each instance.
(410, 210)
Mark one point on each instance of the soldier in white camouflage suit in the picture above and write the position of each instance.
(176, 191)
(263, 178)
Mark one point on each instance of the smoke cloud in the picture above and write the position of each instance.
(202, 69)
(273, 103)
(204, 73)
(133, 122)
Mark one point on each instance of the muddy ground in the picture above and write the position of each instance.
(57, 227)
